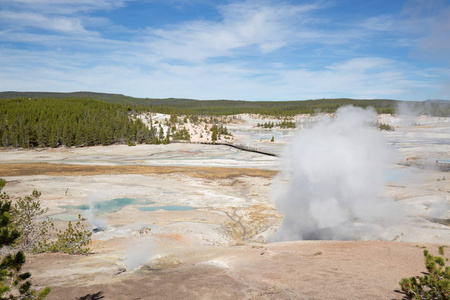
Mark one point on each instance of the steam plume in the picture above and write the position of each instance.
(138, 253)
(332, 180)
(89, 214)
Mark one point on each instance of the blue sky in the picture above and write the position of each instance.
(249, 50)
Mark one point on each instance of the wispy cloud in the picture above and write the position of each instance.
(19, 21)
(267, 50)
(357, 78)
(67, 7)
(244, 26)
(366, 77)
(434, 24)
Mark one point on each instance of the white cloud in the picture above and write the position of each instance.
(436, 41)
(67, 7)
(128, 74)
(357, 78)
(29, 19)
(244, 26)
(254, 50)
(361, 65)
(423, 26)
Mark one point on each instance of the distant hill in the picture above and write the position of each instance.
(438, 101)
(436, 107)
(216, 107)
(118, 98)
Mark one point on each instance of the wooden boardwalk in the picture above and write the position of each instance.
(237, 146)
(439, 166)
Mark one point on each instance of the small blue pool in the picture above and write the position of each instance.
(110, 205)
(395, 175)
(444, 161)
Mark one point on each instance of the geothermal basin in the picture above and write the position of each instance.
(192, 221)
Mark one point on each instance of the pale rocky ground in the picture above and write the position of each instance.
(219, 250)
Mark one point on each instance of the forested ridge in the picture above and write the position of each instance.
(106, 119)
(183, 106)
(180, 106)
(72, 122)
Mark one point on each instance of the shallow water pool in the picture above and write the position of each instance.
(109, 205)
(396, 175)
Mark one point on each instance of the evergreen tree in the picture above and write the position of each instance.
(433, 285)
(71, 122)
(13, 283)
(214, 136)
(167, 138)
(161, 133)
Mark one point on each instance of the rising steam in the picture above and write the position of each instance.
(90, 213)
(332, 180)
(138, 253)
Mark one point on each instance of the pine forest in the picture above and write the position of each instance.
(31, 123)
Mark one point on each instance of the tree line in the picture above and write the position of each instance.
(31, 123)
(282, 124)
(180, 106)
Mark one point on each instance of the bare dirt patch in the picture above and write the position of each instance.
(28, 169)
(289, 270)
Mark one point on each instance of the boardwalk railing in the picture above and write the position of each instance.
(237, 146)
(439, 166)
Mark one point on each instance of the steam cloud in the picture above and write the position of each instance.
(89, 214)
(332, 180)
(138, 254)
